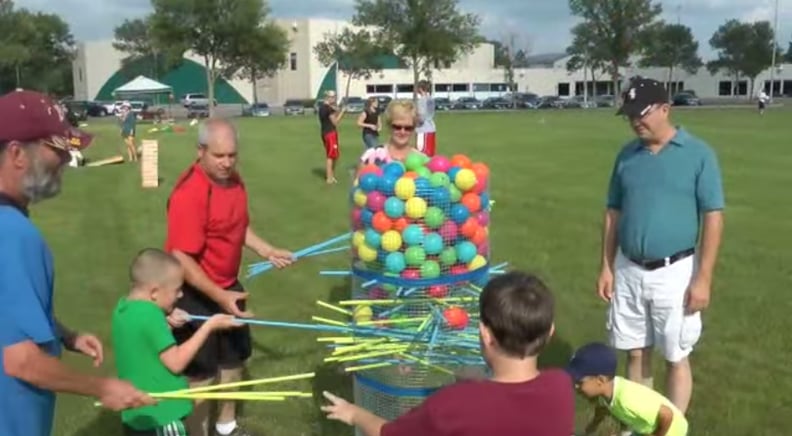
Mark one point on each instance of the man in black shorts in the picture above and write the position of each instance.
(208, 225)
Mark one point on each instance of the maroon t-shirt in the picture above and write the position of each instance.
(544, 406)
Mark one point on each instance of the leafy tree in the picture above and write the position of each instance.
(584, 53)
(354, 51)
(671, 46)
(144, 56)
(617, 27)
(743, 49)
(212, 29)
(424, 33)
(261, 55)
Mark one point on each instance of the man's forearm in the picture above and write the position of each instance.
(66, 335)
(609, 233)
(27, 362)
(195, 276)
(257, 244)
(712, 229)
(369, 423)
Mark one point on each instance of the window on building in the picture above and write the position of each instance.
(460, 87)
(372, 89)
(442, 87)
(776, 87)
(499, 87)
(404, 88)
(293, 61)
(742, 87)
(725, 87)
(481, 87)
(79, 73)
(787, 90)
(563, 89)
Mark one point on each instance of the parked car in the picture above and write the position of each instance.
(467, 103)
(198, 111)
(685, 99)
(76, 109)
(294, 107)
(497, 103)
(259, 109)
(382, 102)
(550, 102)
(195, 98)
(579, 102)
(100, 108)
(605, 101)
(353, 105)
(526, 100)
(442, 104)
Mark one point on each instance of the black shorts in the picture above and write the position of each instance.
(224, 349)
(177, 428)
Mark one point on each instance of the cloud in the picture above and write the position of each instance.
(541, 26)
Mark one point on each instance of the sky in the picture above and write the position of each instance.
(540, 26)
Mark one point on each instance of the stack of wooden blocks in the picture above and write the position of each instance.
(149, 165)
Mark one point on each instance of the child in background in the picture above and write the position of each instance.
(401, 116)
(639, 408)
(146, 352)
(517, 313)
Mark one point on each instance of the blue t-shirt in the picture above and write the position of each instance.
(26, 283)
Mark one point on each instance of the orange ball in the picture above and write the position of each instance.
(480, 170)
(381, 222)
(370, 168)
(399, 224)
(468, 229)
(461, 161)
(410, 175)
(480, 236)
(471, 201)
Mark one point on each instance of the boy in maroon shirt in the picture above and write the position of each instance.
(519, 400)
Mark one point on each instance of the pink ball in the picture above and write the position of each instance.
(483, 249)
(480, 186)
(378, 293)
(439, 164)
(375, 201)
(449, 230)
(355, 216)
(458, 270)
(483, 218)
(411, 274)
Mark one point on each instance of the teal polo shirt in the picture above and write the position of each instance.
(662, 197)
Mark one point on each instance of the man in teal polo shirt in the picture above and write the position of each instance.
(662, 231)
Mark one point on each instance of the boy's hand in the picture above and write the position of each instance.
(339, 409)
(178, 318)
(222, 321)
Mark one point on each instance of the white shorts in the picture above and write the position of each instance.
(648, 308)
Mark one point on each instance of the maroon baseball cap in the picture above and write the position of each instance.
(31, 116)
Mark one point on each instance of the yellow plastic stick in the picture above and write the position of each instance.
(244, 383)
(328, 321)
(364, 356)
(424, 362)
(392, 321)
(331, 307)
(407, 301)
(369, 366)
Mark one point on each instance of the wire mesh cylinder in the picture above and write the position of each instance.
(420, 256)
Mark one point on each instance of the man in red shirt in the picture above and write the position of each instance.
(208, 225)
(516, 323)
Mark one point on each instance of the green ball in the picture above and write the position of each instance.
(424, 172)
(391, 289)
(434, 217)
(456, 194)
(448, 257)
(415, 256)
(414, 161)
(439, 179)
(430, 270)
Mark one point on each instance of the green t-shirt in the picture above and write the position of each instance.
(130, 122)
(140, 334)
(637, 406)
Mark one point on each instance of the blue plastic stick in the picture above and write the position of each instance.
(335, 273)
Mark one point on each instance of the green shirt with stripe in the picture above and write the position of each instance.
(637, 407)
(140, 334)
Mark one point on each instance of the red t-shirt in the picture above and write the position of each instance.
(544, 406)
(210, 226)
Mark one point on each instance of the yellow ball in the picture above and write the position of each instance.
(478, 262)
(362, 313)
(391, 241)
(357, 238)
(405, 188)
(465, 179)
(366, 253)
(360, 198)
(415, 207)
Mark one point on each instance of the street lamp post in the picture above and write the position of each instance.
(775, 49)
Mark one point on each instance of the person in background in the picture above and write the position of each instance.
(426, 138)
(128, 125)
(763, 100)
(369, 121)
(329, 117)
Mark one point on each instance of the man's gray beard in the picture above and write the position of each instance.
(39, 183)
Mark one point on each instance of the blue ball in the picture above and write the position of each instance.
(422, 187)
(368, 182)
(433, 244)
(441, 197)
(393, 169)
(459, 213)
(381, 256)
(485, 201)
(452, 172)
(387, 184)
(395, 263)
(366, 215)
(465, 251)
(372, 238)
(413, 235)
(394, 207)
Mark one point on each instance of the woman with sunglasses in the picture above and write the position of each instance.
(369, 121)
(401, 117)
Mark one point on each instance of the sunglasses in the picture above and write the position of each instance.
(406, 128)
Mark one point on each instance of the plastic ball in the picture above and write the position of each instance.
(437, 291)
(460, 160)
(377, 293)
(448, 256)
(373, 239)
(483, 218)
(480, 235)
(381, 223)
(452, 172)
(455, 193)
(422, 186)
(413, 235)
(394, 207)
(393, 169)
(387, 184)
(439, 179)
(482, 170)
(456, 317)
(483, 249)
(415, 207)
(400, 224)
(465, 179)
(480, 186)
(434, 217)
(457, 270)
(368, 182)
(478, 262)
(405, 188)
(395, 263)
(423, 172)
(358, 238)
(469, 227)
(375, 201)
(360, 198)
(366, 216)
(471, 201)
(366, 253)
(439, 164)
(413, 161)
(355, 216)
(411, 274)
(370, 169)
(362, 313)
(465, 251)
(410, 175)
(391, 240)
(415, 255)
(449, 231)
(485, 201)
(459, 213)
(430, 270)
(433, 244)
(441, 196)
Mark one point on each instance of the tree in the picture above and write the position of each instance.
(743, 49)
(585, 54)
(423, 33)
(355, 52)
(671, 46)
(212, 29)
(260, 55)
(617, 27)
(144, 56)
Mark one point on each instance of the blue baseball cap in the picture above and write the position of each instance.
(592, 360)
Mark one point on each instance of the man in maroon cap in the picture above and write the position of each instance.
(34, 148)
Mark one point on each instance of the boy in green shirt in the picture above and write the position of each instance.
(146, 352)
(639, 408)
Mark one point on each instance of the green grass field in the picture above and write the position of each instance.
(549, 179)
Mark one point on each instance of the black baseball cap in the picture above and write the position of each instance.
(641, 95)
(592, 359)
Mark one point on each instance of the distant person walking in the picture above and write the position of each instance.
(329, 117)
(763, 100)
(426, 138)
(370, 121)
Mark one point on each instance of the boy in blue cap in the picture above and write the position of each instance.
(639, 408)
